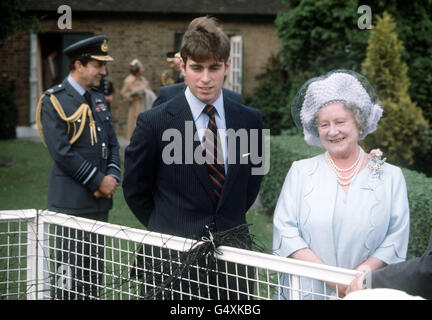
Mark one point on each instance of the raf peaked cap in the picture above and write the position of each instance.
(172, 55)
(94, 48)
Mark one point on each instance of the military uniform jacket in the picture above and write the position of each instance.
(78, 169)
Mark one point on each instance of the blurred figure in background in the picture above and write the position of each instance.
(134, 91)
(106, 87)
(51, 74)
(174, 74)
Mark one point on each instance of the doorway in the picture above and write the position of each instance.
(48, 63)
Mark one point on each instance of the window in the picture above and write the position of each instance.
(234, 79)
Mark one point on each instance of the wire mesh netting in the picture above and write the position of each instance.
(46, 255)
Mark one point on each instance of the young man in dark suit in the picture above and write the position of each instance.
(188, 196)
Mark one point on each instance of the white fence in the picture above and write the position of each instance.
(46, 255)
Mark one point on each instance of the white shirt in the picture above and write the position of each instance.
(201, 120)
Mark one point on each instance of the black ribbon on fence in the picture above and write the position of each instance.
(197, 273)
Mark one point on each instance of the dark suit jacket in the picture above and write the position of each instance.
(413, 276)
(177, 199)
(79, 168)
(168, 92)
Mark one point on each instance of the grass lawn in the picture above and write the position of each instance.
(25, 184)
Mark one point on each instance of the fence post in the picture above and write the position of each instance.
(32, 256)
(43, 257)
(295, 287)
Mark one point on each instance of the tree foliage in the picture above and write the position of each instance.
(402, 130)
(271, 97)
(13, 17)
(321, 35)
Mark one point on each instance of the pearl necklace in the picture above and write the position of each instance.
(347, 169)
(344, 181)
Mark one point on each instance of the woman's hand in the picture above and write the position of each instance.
(307, 254)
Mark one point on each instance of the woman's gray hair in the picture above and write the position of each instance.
(345, 86)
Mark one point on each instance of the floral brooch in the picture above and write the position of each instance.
(376, 164)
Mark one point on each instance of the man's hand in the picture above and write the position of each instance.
(97, 194)
(107, 188)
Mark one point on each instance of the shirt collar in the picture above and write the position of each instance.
(197, 106)
(76, 85)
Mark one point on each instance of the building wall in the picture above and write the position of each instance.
(147, 39)
(15, 66)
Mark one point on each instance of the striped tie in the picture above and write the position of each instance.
(213, 151)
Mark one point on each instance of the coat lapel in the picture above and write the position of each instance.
(73, 93)
(180, 111)
(79, 99)
(234, 122)
(323, 205)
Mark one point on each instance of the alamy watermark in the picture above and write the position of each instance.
(365, 20)
(65, 20)
(243, 147)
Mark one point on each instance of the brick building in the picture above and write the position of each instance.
(142, 29)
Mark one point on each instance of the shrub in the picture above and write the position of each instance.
(319, 35)
(419, 195)
(402, 131)
(286, 149)
(271, 97)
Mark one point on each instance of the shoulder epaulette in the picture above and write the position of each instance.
(81, 113)
(54, 89)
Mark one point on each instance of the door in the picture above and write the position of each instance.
(41, 46)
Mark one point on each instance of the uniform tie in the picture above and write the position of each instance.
(92, 123)
(213, 151)
(88, 98)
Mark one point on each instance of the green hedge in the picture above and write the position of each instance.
(420, 200)
(285, 149)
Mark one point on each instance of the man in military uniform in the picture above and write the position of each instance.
(75, 124)
(174, 74)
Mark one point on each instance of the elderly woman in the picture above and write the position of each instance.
(342, 208)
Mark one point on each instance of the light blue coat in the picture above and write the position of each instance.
(375, 224)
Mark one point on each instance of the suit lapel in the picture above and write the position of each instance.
(179, 109)
(233, 122)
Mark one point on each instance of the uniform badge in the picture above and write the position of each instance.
(104, 46)
(100, 107)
